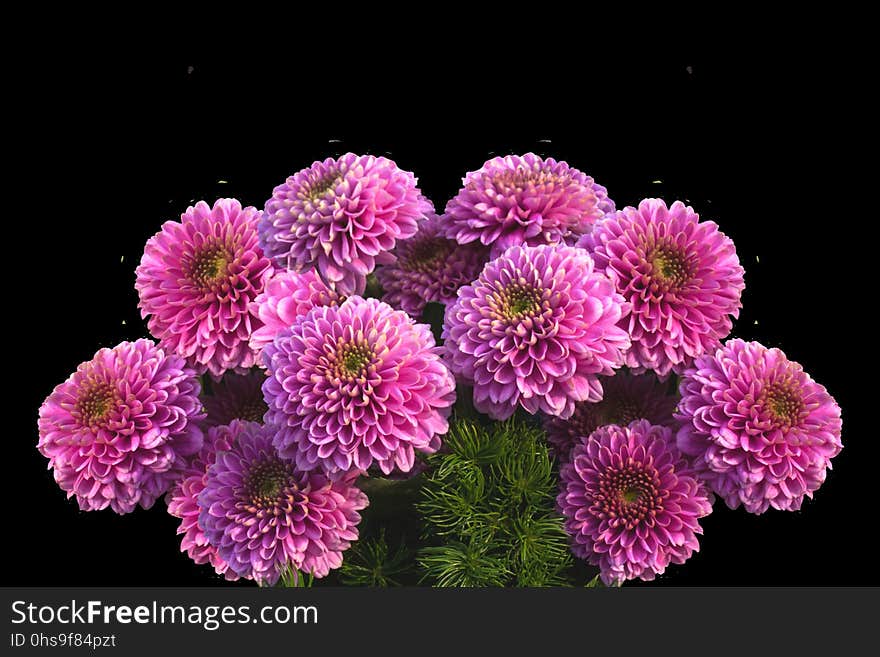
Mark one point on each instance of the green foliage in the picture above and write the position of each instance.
(291, 578)
(487, 508)
(457, 564)
(371, 562)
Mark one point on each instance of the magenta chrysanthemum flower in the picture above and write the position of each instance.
(682, 277)
(761, 431)
(116, 431)
(429, 267)
(536, 330)
(263, 515)
(235, 397)
(631, 503)
(518, 200)
(342, 216)
(626, 398)
(196, 280)
(355, 384)
(288, 295)
(183, 498)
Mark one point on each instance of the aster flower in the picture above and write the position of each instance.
(196, 280)
(627, 397)
(631, 502)
(262, 514)
(429, 268)
(682, 277)
(517, 200)
(235, 397)
(288, 295)
(342, 216)
(761, 431)
(183, 498)
(355, 384)
(536, 329)
(117, 431)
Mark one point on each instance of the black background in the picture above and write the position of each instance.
(128, 143)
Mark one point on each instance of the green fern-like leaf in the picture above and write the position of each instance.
(488, 508)
(539, 550)
(371, 562)
(472, 443)
(457, 564)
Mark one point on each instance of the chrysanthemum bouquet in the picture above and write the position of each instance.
(348, 384)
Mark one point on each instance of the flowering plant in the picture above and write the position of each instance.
(348, 384)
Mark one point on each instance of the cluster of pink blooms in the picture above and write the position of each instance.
(273, 384)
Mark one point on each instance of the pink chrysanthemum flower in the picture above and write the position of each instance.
(517, 200)
(235, 397)
(537, 329)
(342, 216)
(631, 502)
(761, 431)
(429, 268)
(355, 384)
(196, 280)
(117, 431)
(288, 295)
(183, 498)
(263, 515)
(682, 277)
(627, 397)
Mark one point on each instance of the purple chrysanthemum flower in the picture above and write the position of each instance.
(760, 430)
(525, 200)
(355, 384)
(682, 277)
(627, 397)
(196, 280)
(263, 515)
(631, 502)
(429, 268)
(183, 498)
(235, 397)
(536, 329)
(288, 295)
(116, 431)
(342, 216)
